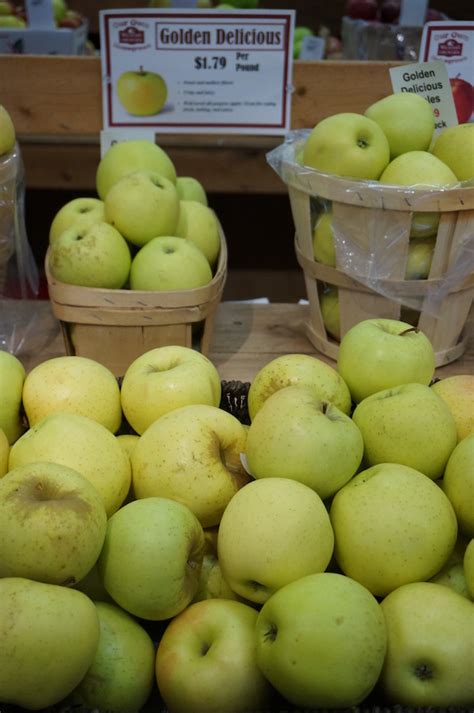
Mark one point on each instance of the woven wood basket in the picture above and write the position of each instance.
(372, 209)
(115, 326)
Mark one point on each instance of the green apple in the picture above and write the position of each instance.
(52, 524)
(198, 223)
(376, 354)
(166, 378)
(347, 144)
(468, 564)
(192, 455)
(329, 305)
(152, 556)
(392, 525)
(419, 259)
(430, 631)
(297, 435)
(126, 157)
(7, 132)
(4, 451)
(6, 7)
(321, 641)
(258, 558)
(74, 384)
(212, 584)
(190, 189)
(49, 636)
(452, 574)
(80, 212)
(81, 444)
(420, 169)
(458, 484)
(406, 119)
(458, 393)
(96, 256)
(303, 370)
(323, 240)
(59, 9)
(142, 93)
(12, 377)
(169, 263)
(12, 21)
(407, 424)
(206, 660)
(122, 674)
(143, 205)
(455, 147)
(424, 225)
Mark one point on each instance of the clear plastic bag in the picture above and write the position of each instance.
(374, 227)
(19, 280)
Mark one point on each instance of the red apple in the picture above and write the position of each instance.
(390, 11)
(463, 95)
(361, 9)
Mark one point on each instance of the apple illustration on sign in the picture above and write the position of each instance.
(463, 95)
(142, 93)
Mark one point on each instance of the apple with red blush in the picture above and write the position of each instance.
(463, 95)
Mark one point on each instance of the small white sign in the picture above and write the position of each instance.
(429, 80)
(312, 48)
(453, 44)
(192, 71)
(413, 13)
(40, 14)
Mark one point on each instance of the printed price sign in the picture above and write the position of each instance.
(194, 71)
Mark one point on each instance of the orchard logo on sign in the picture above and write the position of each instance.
(131, 36)
(450, 48)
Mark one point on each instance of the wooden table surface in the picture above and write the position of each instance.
(246, 336)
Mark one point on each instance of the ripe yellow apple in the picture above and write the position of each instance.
(406, 119)
(12, 377)
(455, 147)
(4, 451)
(419, 169)
(81, 212)
(198, 223)
(323, 240)
(468, 564)
(169, 263)
(7, 132)
(142, 93)
(190, 189)
(457, 392)
(128, 441)
(420, 256)
(329, 304)
(458, 484)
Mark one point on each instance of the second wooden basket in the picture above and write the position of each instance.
(115, 326)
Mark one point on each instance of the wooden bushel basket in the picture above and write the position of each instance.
(115, 326)
(375, 209)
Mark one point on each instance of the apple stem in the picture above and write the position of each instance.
(324, 406)
(407, 331)
(423, 672)
(271, 633)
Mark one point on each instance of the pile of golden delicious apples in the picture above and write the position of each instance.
(148, 229)
(393, 143)
(156, 551)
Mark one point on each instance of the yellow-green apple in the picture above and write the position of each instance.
(419, 169)
(128, 441)
(258, 558)
(4, 451)
(7, 7)
(347, 144)
(329, 305)
(430, 632)
(377, 354)
(141, 92)
(143, 205)
(458, 484)
(129, 156)
(169, 263)
(297, 435)
(406, 119)
(300, 32)
(74, 384)
(59, 9)
(212, 584)
(166, 378)
(80, 212)
(12, 377)
(52, 524)
(303, 370)
(190, 189)
(455, 147)
(407, 424)
(122, 674)
(44, 619)
(468, 564)
(206, 660)
(458, 393)
(424, 225)
(12, 21)
(321, 641)
(93, 586)
(82, 444)
(198, 223)
(392, 525)
(323, 240)
(192, 455)
(452, 575)
(96, 256)
(7, 132)
(419, 259)
(152, 556)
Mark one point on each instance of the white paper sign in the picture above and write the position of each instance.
(412, 13)
(429, 80)
(194, 71)
(453, 44)
(312, 47)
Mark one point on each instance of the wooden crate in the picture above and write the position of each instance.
(367, 209)
(115, 326)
